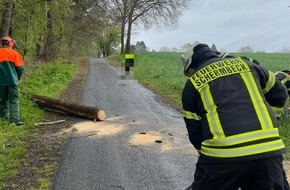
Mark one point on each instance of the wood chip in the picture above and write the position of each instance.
(158, 141)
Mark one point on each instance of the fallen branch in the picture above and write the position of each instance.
(49, 123)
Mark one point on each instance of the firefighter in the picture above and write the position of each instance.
(230, 108)
(11, 69)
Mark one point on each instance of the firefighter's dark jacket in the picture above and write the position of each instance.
(231, 106)
(284, 77)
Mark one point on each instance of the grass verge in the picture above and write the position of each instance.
(43, 79)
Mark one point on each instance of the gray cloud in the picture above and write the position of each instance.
(261, 24)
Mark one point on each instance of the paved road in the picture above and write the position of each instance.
(142, 145)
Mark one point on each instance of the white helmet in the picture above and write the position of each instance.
(186, 59)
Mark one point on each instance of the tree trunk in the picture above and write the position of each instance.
(122, 36)
(50, 49)
(39, 49)
(123, 18)
(70, 108)
(11, 27)
(27, 30)
(6, 18)
(128, 41)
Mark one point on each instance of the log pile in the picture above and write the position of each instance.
(88, 112)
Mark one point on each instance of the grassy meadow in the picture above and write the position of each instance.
(162, 73)
(43, 79)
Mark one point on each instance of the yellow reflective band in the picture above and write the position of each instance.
(218, 69)
(129, 56)
(190, 115)
(257, 100)
(286, 76)
(270, 83)
(278, 111)
(242, 138)
(243, 151)
(212, 114)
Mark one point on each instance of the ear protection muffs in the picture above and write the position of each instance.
(11, 43)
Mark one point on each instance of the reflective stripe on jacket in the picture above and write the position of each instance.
(11, 67)
(229, 109)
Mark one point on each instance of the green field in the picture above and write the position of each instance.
(161, 72)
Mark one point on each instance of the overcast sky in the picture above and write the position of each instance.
(264, 25)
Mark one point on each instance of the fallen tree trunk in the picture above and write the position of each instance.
(70, 108)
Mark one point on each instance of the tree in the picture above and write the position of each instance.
(148, 12)
(187, 46)
(20, 21)
(133, 48)
(29, 25)
(51, 39)
(285, 50)
(213, 47)
(90, 22)
(246, 49)
(35, 24)
(6, 18)
(164, 49)
(50, 49)
(140, 46)
(81, 26)
(107, 39)
(174, 49)
(49, 29)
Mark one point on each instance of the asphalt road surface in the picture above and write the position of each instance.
(142, 144)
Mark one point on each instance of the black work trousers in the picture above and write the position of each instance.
(262, 174)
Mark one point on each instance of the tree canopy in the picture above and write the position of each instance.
(49, 29)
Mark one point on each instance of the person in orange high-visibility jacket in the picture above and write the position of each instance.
(11, 69)
(230, 107)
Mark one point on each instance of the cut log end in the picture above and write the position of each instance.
(101, 115)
